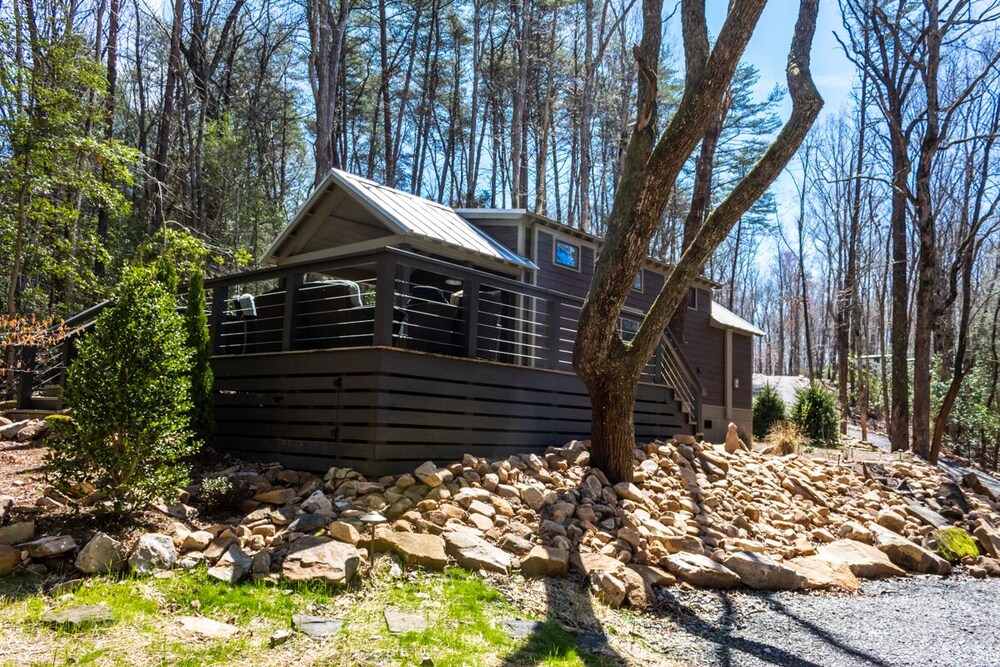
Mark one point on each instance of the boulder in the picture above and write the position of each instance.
(6, 502)
(762, 572)
(589, 563)
(515, 544)
(429, 474)
(972, 481)
(653, 575)
(610, 589)
(702, 571)
(196, 541)
(954, 544)
(102, 554)
(544, 561)
(474, 553)
(10, 431)
(420, 549)
(153, 551)
(275, 496)
(307, 523)
(33, 431)
(206, 627)
(822, 574)
(16, 533)
(950, 493)
(909, 555)
(629, 491)
(344, 532)
(852, 530)
(862, 559)
(317, 503)
(47, 547)
(78, 617)
(316, 627)
(989, 538)
(322, 559)
(926, 515)
(10, 558)
(232, 566)
(733, 442)
(892, 520)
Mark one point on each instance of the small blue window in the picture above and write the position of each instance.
(567, 254)
(637, 283)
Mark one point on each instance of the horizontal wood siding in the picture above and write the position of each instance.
(505, 235)
(382, 410)
(705, 349)
(559, 278)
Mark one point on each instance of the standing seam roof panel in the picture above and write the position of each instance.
(430, 220)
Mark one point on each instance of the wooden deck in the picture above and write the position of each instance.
(385, 410)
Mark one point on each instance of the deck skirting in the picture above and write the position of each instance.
(384, 410)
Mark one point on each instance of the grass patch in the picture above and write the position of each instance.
(463, 611)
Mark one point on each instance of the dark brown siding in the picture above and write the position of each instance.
(554, 277)
(382, 410)
(505, 235)
(743, 370)
(705, 349)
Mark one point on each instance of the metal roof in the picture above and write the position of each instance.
(727, 319)
(409, 215)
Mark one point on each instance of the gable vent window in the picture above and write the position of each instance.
(566, 255)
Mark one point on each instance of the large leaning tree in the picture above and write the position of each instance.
(607, 365)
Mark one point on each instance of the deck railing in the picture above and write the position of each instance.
(396, 298)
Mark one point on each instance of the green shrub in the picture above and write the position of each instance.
(816, 413)
(223, 492)
(202, 414)
(768, 408)
(129, 390)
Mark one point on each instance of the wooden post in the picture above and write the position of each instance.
(292, 286)
(385, 299)
(220, 295)
(470, 295)
(554, 325)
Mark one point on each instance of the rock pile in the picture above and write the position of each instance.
(712, 516)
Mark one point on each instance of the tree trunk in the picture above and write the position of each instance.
(164, 134)
(611, 423)
(605, 364)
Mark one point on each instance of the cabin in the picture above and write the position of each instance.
(387, 330)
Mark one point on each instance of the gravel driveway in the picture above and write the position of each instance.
(907, 622)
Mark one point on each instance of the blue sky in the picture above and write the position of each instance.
(768, 51)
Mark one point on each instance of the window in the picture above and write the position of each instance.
(637, 283)
(566, 255)
(693, 299)
(628, 328)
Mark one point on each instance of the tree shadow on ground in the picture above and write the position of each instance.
(570, 627)
(729, 649)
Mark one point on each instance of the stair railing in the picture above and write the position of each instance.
(676, 372)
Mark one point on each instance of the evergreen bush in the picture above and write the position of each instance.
(202, 414)
(768, 408)
(817, 415)
(129, 390)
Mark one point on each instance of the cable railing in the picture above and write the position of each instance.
(396, 298)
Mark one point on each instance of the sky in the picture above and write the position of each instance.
(833, 74)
